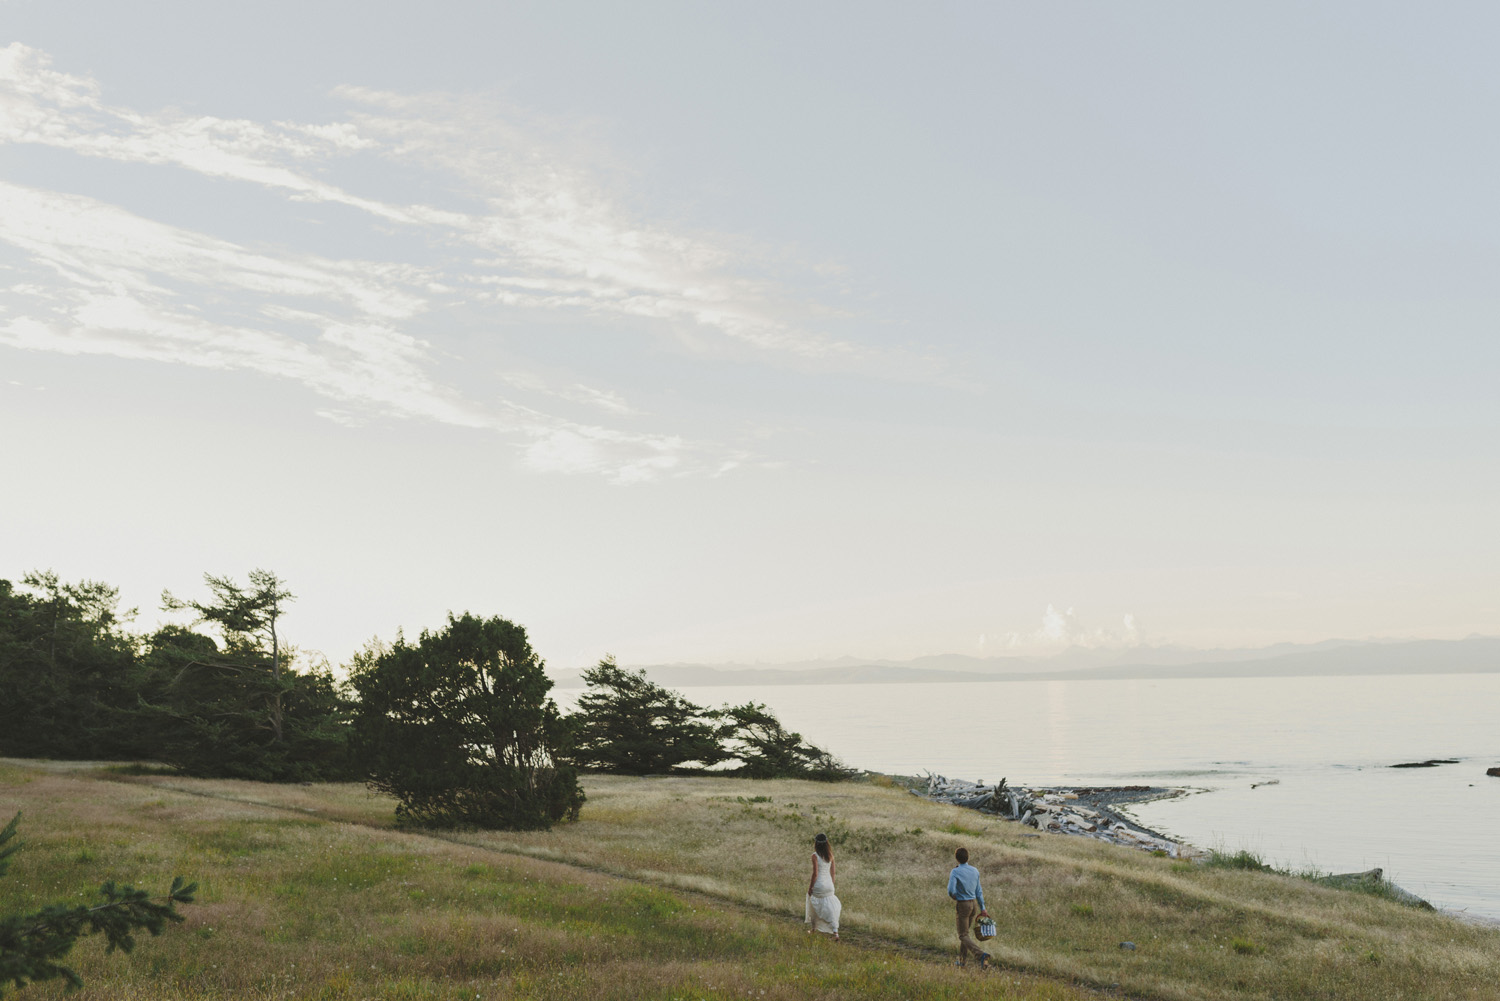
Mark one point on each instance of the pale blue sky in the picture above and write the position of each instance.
(708, 332)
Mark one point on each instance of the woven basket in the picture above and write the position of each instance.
(985, 929)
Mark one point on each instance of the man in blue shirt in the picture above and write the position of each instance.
(963, 887)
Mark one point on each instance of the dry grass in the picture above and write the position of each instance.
(317, 875)
(293, 905)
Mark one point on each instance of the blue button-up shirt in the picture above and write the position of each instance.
(963, 884)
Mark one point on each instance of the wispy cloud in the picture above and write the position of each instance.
(601, 399)
(512, 224)
(552, 237)
(562, 242)
(116, 289)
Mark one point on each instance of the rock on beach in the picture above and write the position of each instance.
(1085, 812)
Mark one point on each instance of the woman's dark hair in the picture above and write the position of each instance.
(823, 848)
(962, 855)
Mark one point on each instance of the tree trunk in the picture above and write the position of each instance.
(276, 733)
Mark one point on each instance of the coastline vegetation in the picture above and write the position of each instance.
(682, 878)
(679, 887)
(421, 720)
(1372, 882)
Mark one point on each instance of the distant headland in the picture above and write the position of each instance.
(1472, 655)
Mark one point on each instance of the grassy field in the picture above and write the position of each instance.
(684, 888)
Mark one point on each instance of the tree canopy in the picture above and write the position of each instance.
(69, 672)
(627, 723)
(460, 729)
(458, 726)
(230, 710)
(767, 750)
(74, 683)
(221, 713)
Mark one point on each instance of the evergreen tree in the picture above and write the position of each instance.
(69, 673)
(628, 724)
(247, 616)
(32, 946)
(767, 750)
(222, 713)
(459, 728)
(235, 709)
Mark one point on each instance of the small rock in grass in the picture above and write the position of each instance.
(1128, 945)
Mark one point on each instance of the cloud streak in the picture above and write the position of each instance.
(115, 289)
(551, 238)
(511, 226)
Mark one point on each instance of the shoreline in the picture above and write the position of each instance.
(1086, 811)
(1091, 812)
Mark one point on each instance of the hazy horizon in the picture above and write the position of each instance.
(706, 333)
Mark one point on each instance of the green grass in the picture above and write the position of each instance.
(1242, 859)
(1350, 882)
(689, 888)
(292, 907)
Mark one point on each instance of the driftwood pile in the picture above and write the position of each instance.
(1058, 810)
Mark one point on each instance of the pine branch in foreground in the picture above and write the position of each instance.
(32, 946)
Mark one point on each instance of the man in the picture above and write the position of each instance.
(964, 888)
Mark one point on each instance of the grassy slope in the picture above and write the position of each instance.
(685, 888)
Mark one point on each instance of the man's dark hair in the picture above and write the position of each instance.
(962, 855)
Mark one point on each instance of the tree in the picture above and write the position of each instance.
(459, 728)
(245, 615)
(68, 671)
(231, 711)
(221, 714)
(767, 750)
(629, 724)
(32, 946)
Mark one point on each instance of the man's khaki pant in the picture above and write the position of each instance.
(968, 910)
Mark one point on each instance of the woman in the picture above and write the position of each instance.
(822, 906)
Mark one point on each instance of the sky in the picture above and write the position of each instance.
(760, 332)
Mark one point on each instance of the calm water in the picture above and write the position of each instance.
(1325, 743)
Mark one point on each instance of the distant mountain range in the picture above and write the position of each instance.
(1474, 655)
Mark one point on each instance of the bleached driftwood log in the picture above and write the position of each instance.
(1056, 810)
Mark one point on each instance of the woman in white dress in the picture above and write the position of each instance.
(822, 906)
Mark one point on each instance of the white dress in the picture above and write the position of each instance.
(823, 907)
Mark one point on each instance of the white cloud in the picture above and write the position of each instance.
(589, 450)
(111, 296)
(1060, 629)
(114, 293)
(509, 221)
(600, 399)
(550, 236)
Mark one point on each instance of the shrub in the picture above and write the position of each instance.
(459, 728)
(1242, 859)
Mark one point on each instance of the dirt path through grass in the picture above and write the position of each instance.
(684, 859)
(862, 939)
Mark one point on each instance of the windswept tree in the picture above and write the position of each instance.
(767, 750)
(460, 729)
(235, 708)
(247, 617)
(627, 723)
(33, 946)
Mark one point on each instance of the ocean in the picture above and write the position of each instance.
(1294, 769)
